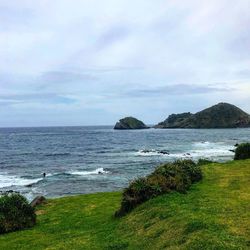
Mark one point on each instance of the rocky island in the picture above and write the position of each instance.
(130, 123)
(222, 115)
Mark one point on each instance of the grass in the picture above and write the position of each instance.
(214, 214)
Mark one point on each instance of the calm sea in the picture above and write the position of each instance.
(80, 160)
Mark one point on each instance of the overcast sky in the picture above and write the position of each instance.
(89, 62)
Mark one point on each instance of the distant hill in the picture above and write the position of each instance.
(222, 115)
(130, 123)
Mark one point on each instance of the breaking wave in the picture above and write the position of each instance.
(197, 150)
(10, 180)
(94, 172)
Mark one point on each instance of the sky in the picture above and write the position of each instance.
(89, 62)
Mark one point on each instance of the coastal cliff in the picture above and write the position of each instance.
(222, 115)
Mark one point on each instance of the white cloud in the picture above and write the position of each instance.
(93, 50)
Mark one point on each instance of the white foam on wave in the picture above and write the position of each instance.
(203, 149)
(94, 172)
(210, 153)
(10, 180)
(207, 150)
(213, 152)
(212, 149)
(203, 144)
(208, 144)
(148, 153)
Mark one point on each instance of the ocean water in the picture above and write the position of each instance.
(80, 160)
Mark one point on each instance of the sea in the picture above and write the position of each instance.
(80, 160)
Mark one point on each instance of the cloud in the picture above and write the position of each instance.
(113, 56)
(111, 36)
(177, 89)
(47, 98)
(54, 77)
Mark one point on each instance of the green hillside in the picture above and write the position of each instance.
(222, 115)
(214, 214)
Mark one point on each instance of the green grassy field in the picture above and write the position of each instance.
(214, 214)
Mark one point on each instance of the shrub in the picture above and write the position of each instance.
(242, 151)
(139, 191)
(177, 176)
(15, 213)
(190, 170)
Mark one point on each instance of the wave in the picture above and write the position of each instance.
(212, 152)
(9, 180)
(199, 150)
(209, 144)
(94, 172)
(57, 154)
(26, 153)
(203, 144)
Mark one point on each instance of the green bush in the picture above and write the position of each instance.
(177, 176)
(190, 170)
(242, 151)
(15, 213)
(138, 191)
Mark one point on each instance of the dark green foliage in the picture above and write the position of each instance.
(139, 191)
(178, 117)
(15, 213)
(118, 246)
(190, 170)
(202, 162)
(242, 151)
(175, 120)
(177, 176)
(195, 225)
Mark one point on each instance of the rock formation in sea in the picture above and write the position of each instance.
(130, 123)
(222, 115)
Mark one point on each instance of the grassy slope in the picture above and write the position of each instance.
(214, 214)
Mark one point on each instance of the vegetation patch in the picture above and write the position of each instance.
(194, 226)
(242, 151)
(118, 246)
(212, 215)
(202, 162)
(177, 176)
(15, 213)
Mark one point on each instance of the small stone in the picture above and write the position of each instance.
(37, 201)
